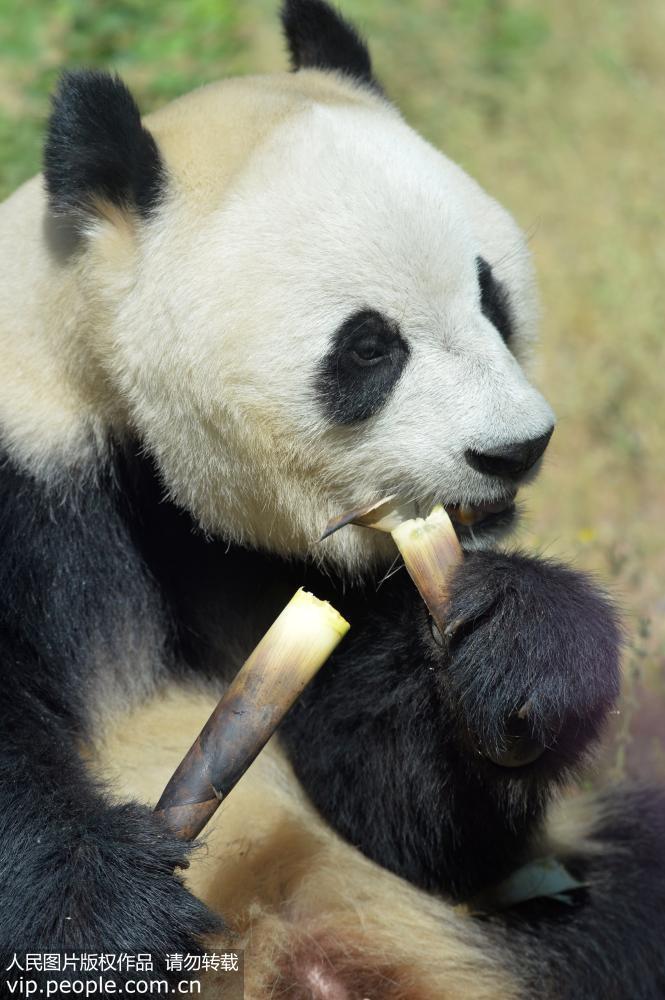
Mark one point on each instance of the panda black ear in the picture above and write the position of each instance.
(96, 148)
(320, 38)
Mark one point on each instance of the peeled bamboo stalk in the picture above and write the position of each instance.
(431, 551)
(429, 546)
(293, 649)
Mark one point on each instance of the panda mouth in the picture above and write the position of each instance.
(470, 519)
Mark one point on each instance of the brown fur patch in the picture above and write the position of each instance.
(316, 919)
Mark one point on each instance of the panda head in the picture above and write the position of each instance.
(298, 304)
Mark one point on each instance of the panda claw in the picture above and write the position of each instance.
(453, 627)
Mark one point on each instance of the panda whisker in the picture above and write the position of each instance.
(395, 566)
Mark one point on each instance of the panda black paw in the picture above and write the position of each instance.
(531, 658)
(105, 882)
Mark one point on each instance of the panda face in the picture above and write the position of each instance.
(294, 302)
(347, 320)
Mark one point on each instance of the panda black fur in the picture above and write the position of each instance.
(264, 305)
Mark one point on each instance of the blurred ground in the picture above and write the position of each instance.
(558, 109)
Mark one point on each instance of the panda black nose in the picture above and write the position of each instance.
(510, 460)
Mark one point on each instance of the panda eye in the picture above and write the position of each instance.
(494, 300)
(368, 353)
(363, 364)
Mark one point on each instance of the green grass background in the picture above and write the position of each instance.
(559, 110)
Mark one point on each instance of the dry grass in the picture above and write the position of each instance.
(558, 110)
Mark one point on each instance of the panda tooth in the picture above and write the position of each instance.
(467, 514)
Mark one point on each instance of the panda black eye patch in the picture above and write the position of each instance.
(494, 300)
(361, 368)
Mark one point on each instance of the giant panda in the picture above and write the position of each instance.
(270, 301)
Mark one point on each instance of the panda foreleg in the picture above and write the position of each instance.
(79, 873)
(82, 628)
(396, 739)
(532, 650)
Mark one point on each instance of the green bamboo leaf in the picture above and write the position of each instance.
(542, 878)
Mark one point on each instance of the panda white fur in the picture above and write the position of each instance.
(269, 303)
